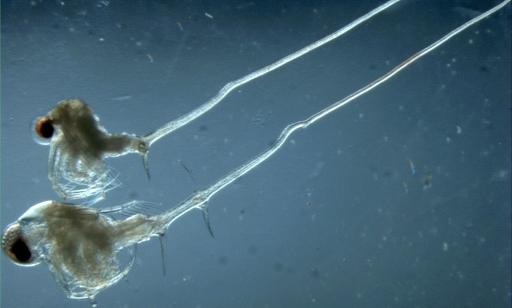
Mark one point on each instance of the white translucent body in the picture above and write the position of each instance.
(76, 166)
(81, 244)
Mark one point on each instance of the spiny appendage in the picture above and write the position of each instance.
(79, 177)
(206, 218)
(142, 148)
(161, 238)
(131, 144)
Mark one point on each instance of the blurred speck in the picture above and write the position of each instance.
(253, 250)
(427, 182)
(387, 174)
(314, 273)
(278, 267)
(483, 69)
(133, 195)
(223, 260)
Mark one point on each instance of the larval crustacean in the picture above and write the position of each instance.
(79, 145)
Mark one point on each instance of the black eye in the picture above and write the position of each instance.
(44, 127)
(20, 251)
(15, 246)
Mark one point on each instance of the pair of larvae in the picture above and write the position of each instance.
(78, 242)
(78, 143)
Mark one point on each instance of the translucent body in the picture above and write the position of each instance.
(79, 244)
(77, 149)
(78, 146)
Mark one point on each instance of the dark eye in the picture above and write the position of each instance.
(43, 130)
(44, 127)
(16, 248)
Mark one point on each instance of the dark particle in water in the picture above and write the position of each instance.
(223, 260)
(203, 128)
(314, 273)
(278, 267)
(387, 174)
(133, 195)
(427, 182)
(483, 69)
(253, 250)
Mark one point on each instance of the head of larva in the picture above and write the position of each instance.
(16, 246)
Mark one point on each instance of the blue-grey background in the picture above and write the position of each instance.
(336, 218)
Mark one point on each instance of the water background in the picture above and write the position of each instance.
(337, 218)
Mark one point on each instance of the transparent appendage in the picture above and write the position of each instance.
(78, 177)
(78, 147)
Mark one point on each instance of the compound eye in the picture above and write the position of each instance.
(16, 248)
(43, 129)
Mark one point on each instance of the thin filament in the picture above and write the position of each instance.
(229, 87)
(199, 200)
